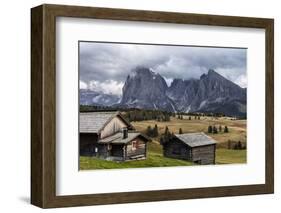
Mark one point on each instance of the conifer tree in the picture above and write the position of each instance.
(225, 129)
(149, 131)
(210, 129)
(155, 131)
(215, 131)
(180, 131)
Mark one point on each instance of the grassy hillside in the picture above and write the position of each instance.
(155, 159)
(237, 128)
(237, 132)
(228, 156)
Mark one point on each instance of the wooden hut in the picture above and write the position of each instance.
(196, 147)
(109, 136)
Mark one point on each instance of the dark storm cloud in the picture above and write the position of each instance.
(111, 62)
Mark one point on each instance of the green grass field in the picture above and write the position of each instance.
(237, 128)
(154, 159)
(237, 131)
(228, 156)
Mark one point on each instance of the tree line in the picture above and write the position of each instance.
(142, 115)
(214, 130)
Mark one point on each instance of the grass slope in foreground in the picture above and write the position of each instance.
(155, 159)
(230, 156)
(237, 131)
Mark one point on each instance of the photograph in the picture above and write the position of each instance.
(161, 105)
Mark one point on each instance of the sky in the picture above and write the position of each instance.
(104, 67)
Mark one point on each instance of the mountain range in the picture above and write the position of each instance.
(146, 89)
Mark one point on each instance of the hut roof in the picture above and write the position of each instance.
(196, 139)
(93, 122)
(118, 138)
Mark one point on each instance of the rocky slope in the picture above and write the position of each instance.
(145, 89)
(211, 93)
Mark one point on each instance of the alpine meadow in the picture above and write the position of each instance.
(152, 105)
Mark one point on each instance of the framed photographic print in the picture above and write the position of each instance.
(137, 106)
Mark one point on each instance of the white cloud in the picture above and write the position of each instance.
(107, 87)
(83, 85)
(241, 81)
(114, 61)
(104, 67)
(236, 75)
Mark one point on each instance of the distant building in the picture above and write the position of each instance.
(196, 147)
(109, 136)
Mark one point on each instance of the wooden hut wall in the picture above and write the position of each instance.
(86, 143)
(117, 150)
(204, 154)
(177, 149)
(139, 150)
(115, 125)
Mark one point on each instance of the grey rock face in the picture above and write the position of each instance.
(183, 92)
(145, 89)
(218, 94)
(211, 93)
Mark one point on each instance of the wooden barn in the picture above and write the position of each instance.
(196, 147)
(109, 136)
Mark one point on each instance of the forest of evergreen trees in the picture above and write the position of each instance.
(142, 115)
(132, 114)
(146, 114)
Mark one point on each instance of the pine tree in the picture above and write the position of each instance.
(215, 131)
(155, 131)
(166, 131)
(210, 129)
(180, 131)
(225, 129)
(149, 131)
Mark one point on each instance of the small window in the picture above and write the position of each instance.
(134, 145)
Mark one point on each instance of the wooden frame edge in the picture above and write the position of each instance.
(43, 174)
(36, 106)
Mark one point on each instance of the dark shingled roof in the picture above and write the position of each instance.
(118, 138)
(195, 139)
(93, 122)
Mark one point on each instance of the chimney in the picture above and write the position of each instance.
(125, 133)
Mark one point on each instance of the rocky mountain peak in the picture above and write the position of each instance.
(211, 93)
(212, 72)
(146, 89)
(141, 71)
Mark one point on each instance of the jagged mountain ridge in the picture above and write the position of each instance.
(145, 89)
(211, 93)
(90, 97)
